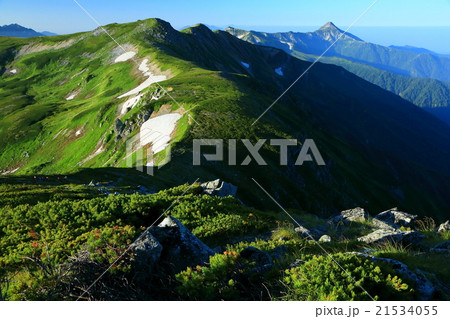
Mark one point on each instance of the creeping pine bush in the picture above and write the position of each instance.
(320, 278)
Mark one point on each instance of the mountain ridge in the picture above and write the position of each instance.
(374, 156)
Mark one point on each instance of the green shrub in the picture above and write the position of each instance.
(320, 278)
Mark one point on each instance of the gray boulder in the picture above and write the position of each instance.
(325, 239)
(442, 247)
(395, 235)
(357, 214)
(181, 248)
(308, 233)
(219, 188)
(444, 227)
(279, 252)
(254, 254)
(147, 252)
(393, 218)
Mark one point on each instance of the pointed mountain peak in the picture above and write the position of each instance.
(329, 26)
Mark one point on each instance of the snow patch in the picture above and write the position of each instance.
(10, 172)
(13, 71)
(125, 57)
(143, 67)
(290, 44)
(157, 131)
(279, 71)
(246, 65)
(78, 133)
(129, 104)
(71, 97)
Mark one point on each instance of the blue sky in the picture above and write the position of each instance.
(63, 16)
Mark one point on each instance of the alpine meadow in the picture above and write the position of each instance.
(142, 162)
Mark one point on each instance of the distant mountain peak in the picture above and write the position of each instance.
(330, 25)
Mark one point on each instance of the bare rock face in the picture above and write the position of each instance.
(357, 214)
(444, 227)
(393, 235)
(219, 188)
(393, 218)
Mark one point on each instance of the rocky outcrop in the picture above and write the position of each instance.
(444, 226)
(118, 127)
(423, 285)
(393, 218)
(147, 251)
(219, 188)
(169, 245)
(357, 214)
(383, 235)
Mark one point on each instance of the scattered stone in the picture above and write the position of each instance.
(393, 218)
(424, 286)
(219, 188)
(254, 254)
(296, 263)
(442, 247)
(357, 214)
(444, 226)
(325, 239)
(307, 233)
(383, 235)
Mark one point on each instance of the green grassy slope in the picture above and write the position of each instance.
(371, 140)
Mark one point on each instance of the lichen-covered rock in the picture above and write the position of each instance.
(393, 218)
(219, 188)
(357, 214)
(444, 226)
(395, 235)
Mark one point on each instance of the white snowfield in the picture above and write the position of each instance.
(245, 64)
(157, 131)
(279, 71)
(13, 71)
(143, 67)
(125, 57)
(78, 133)
(130, 103)
(71, 97)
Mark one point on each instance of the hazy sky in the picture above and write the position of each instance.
(63, 16)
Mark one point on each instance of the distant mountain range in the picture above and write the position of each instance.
(425, 91)
(18, 31)
(403, 61)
